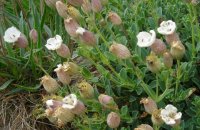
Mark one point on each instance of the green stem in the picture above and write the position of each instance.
(157, 85)
(177, 79)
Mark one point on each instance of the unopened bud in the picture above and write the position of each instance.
(149, 105)
(49, 114)
(62, 9)
(86, 37)
(153, 63)
(75, 2)
(62, 75)
(107, 102)
(144, 127)
(51, 3)
(114, 18)
(86, 6)
(113, 120)
(53, 104)
(71, 68)
(63, 51)
(22, 41)
(177, 50)
(120, 50)
(71, 26)
(49, 84)
(73, 12)
(33, 35)
(63, 115)
(156, 118)
(96, 5)
(158, 47)
(86, 90)
(172, 38)
(167, 59)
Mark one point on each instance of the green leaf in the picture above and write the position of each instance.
(6, 84)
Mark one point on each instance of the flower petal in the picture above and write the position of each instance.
(178, 116)
(146, 39)
(11, 35)
(167, 27)
(54, 43)
(171, 108)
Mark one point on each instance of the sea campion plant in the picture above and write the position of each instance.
(100, 64)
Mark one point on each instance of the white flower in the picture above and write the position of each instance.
(169, 115)
(167, 27)
(70, 101)
(11, 35)
(80, 30)
(54, 43)
(146, 39)
(49, 103)
(59, 67)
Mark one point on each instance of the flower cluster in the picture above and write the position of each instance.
(158, 47)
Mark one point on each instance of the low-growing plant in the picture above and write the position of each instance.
(99, 64)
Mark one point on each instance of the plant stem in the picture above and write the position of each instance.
(177, 79)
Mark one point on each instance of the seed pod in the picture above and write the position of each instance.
(49, 114)
(158, 47)
(86, 90)
(107, 102)
(156, 118)
(64, 116)
(49, 84)
(22, 41)
(167, 59)
(120, 50)
(113, 120)
(63, 51)
(96, 5)
(172, 38)
(62, 9)
(33, 35)
(144, 127)
(73, 12)
(153, 63)
(62, 75)
(75, 2)
(86, 37)
(71, 68)
(149, 105)
(114, 18)
(71, 26)
(86, 6)
(177, 50)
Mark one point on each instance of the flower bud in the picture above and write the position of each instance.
(71, 68)
(156, 118)
(177, 50)
(49, 84)
(167, 59)
(144, 127)
(62, 9)
(96, 5)
(153, 63)
(71, 26)
(73, 12)
(113, 120)
(86, 6)
(158, 47)
(22, 41)
(33, 35)
(72, 103)
(51, 3)
(107, 102)
(62, 75)
(63, 51)
(86, 37)
(86, 90)
(120, 50)
(149, 105)
(114, 18)
(75, 2)
(172, 38)
(49, 114)
(63, 115)
(53, 104)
